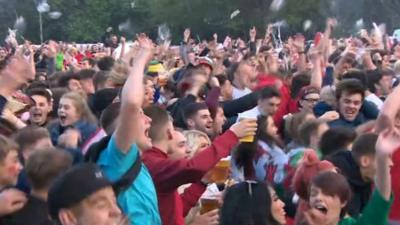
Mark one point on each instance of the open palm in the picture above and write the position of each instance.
(388, 141)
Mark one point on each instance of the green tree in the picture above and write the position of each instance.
(86, 20)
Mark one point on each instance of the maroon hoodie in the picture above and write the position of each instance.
(170, 174)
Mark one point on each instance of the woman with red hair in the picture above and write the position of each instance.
(308, 168)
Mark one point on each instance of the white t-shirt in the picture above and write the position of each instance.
(238, 93)
(252, 113)
(376, 100)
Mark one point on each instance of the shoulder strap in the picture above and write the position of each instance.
(127, 178)
(93, 153)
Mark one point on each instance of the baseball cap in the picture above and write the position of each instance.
(154, 68)
(206, 62)
(308, 90)
(75, 185)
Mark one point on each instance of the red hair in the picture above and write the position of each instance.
(307, 170)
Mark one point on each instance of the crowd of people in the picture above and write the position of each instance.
(130, 132)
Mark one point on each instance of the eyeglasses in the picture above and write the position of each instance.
(311, 100)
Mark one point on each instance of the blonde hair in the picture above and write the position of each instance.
(193, 140)
(119, 73)
(81, 107)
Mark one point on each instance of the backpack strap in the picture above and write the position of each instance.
(93, 153)
(127, 178)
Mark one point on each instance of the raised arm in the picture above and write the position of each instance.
(123, 46)
(183, 49)
(247, 102)
(16, 73)
(389, 110)
(388, 142)
(325, 42)
(316, 73)
(252, 43)
(128, 128)
(169, 174)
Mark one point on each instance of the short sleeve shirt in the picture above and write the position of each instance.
(139, 201)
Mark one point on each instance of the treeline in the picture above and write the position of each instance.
(87, 20)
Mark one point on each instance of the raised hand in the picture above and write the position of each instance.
(215, 36)
(388, 141)
(245, 127)
(145, 42)
(16, 73)
(298, 43)
(364, 33)
(123, 40)
(147, 47)
(186, 35)
(227, 41)
(331, 23)
(270, 30)
(253, 34)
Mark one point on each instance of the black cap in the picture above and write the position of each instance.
(103, 98)
(75, 185)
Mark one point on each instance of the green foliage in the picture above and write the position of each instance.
(86, 20)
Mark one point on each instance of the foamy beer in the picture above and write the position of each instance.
(220, 173)
(249, 138)
(162, 80)
(208, 204)
(248, 115)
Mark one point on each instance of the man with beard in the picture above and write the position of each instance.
(198, 117)
(43, 105)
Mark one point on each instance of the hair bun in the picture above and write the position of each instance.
(310, 158)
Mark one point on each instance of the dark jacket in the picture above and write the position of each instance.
(367, 112)
(86, 130)
(361, 189)
(34, 212)
(176, 110)
(3, 102)
(231, 108)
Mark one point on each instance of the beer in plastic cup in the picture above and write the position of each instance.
(250, 138)
(162, 80)
(208, 204)
(220, 173)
